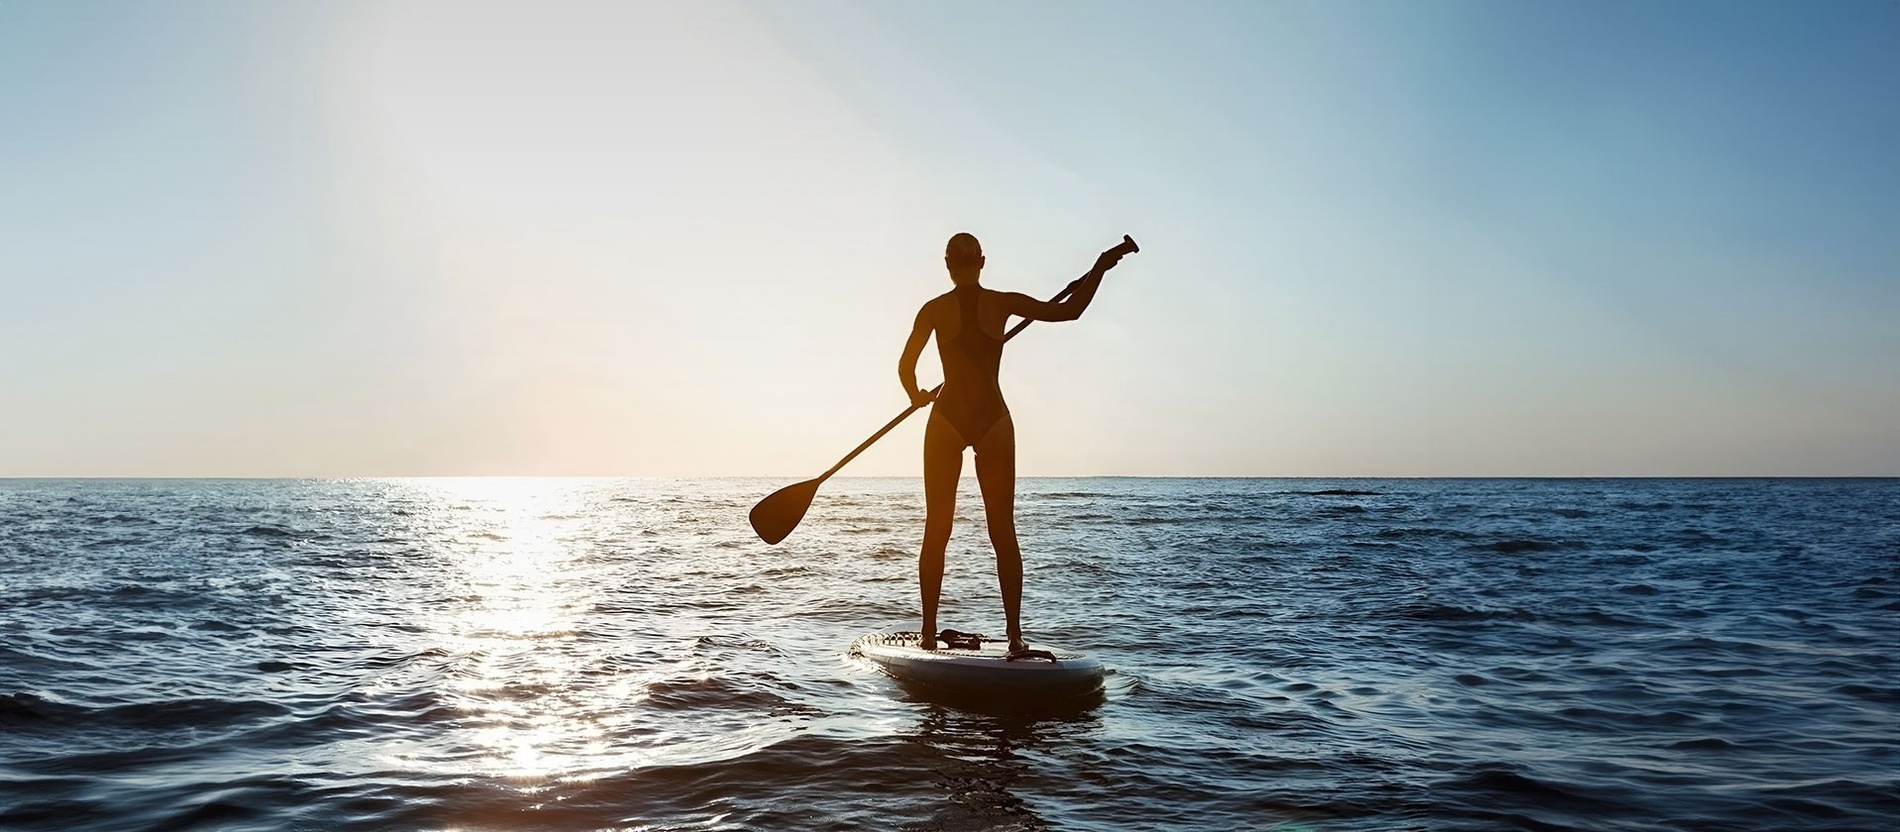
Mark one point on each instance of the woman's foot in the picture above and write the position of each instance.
(1016, 643)
(927, 640)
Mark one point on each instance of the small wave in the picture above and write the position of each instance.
(357, 711)
(1599, 716)
(213, 813)
(21, 707)
(1886, 696)
(214, 626)
(733, 642)
(1704, 744)
(129, 519)
(21, 659)
(1514, 546)
(1452, 612)
(1523, 786)
(1160, 521)
(193, 713)
(715, 692)
(1425, 533)
(116, 542)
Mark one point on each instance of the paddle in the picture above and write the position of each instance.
(778, 514)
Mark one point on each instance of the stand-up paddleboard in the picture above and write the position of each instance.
(981, 665)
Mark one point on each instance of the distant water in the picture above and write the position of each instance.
(1287, 654)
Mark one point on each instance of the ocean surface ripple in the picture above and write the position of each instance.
(623, 653)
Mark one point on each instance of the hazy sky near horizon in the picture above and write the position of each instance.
(1412, 239)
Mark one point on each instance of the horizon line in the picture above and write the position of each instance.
(314, 477)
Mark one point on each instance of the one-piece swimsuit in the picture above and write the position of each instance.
(971, 400)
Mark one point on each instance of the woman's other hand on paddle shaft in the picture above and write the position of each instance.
(919, 398)
(1108, 259)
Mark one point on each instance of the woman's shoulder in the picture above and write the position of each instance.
(933, 310)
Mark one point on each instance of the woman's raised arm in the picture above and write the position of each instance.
(1024, 306)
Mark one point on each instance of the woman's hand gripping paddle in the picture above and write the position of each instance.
(778, 514)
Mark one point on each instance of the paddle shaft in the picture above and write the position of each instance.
(888, 426)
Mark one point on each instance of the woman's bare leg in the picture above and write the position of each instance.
(943, 464)
(996, 475)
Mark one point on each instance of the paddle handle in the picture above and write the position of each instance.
(892, 424)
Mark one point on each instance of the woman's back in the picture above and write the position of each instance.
(971, 355)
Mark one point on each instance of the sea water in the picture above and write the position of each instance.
(1285, 654)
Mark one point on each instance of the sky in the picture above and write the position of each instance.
(688, 239)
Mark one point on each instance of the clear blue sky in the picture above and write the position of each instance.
(1437, 238)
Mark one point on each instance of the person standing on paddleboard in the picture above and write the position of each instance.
(969, 412)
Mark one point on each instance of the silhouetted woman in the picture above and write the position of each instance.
(969, 412)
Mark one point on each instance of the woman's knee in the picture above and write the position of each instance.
(937, 529)
(1003, 532)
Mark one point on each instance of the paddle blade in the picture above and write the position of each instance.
(778, 514)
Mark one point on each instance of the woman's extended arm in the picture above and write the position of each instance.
(1024, 306)
(907, 363)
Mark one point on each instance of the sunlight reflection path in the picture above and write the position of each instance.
(581, 633)
(528, 680)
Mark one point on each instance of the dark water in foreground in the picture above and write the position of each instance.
(560, 654)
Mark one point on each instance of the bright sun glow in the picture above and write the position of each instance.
(568, 211)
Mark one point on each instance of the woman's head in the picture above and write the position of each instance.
(964, 257)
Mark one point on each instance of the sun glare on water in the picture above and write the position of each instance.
(569, 637)
(523, 675)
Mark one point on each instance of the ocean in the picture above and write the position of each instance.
(1285, 654)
